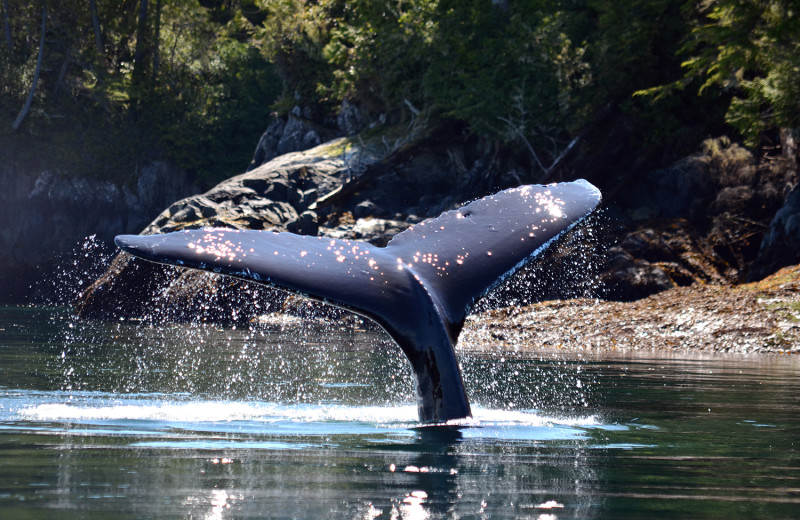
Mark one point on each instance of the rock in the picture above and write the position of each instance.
(746, 319)
(696, 187)
(273, 196)
(696, 222)
(781, 244)
(48, 215)
(310, 196)
(628, 278)
(365, 208)
(350, 120)
(295, 133)
(154, 292)
(726, 200)
(267, 147)
(298, 134)
(376, 231)
(305, 224)
(273, 187)
(657, 255)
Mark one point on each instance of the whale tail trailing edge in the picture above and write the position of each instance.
(419, 287)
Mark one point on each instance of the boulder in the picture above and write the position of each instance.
(267, 147)
(350, 120)
(376, 231)
(274, 196)
(781, 244)
(294, 133)
(366, 208)
(307, 223)
(627, 278)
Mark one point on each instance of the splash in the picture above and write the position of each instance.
(91, 408)
(178, 421)
(74, 271)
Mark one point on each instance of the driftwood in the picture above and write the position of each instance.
(398, 155)
(565, 153)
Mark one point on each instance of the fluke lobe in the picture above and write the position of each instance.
(419, 287)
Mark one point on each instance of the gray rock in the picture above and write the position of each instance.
(298, 134)
(273, 187)
(273, 196)
(377, 231)
(365, 208)
(305, 224)
(282, 136)
(267, 147)
(781, 245)
(47, 215)
(350, 120)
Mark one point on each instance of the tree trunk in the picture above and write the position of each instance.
(98, 36)
(7, 24)
(61, 74)
(142, 50)
(29, 101)
(157, 41)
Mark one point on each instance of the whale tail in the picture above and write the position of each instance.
(419, 288)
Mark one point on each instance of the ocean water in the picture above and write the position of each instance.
(131, 420)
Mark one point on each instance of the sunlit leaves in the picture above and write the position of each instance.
(752, 50)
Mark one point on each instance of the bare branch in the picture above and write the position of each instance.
(524, 140)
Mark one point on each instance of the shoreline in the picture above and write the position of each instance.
(761, 318)
(755, 318)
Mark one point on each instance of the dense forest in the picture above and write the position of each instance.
(98, 86)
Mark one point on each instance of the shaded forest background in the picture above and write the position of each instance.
(96, 87)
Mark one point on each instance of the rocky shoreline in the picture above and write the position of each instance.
(754, 318)
(661, 267)
(760, 318)
(712, 219)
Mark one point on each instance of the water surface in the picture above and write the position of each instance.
(128, 420)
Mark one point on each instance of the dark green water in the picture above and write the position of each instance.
(130, 421)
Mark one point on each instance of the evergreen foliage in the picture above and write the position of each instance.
(529, 74)
(751, 50)
(195, 81)
(124, 83)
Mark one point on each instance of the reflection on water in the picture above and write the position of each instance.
(196, 422)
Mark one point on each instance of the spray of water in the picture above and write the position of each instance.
(74, 271)
(516, 376)
(300, 362)
(310, 360)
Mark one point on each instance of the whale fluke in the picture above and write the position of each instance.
(419, 287)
